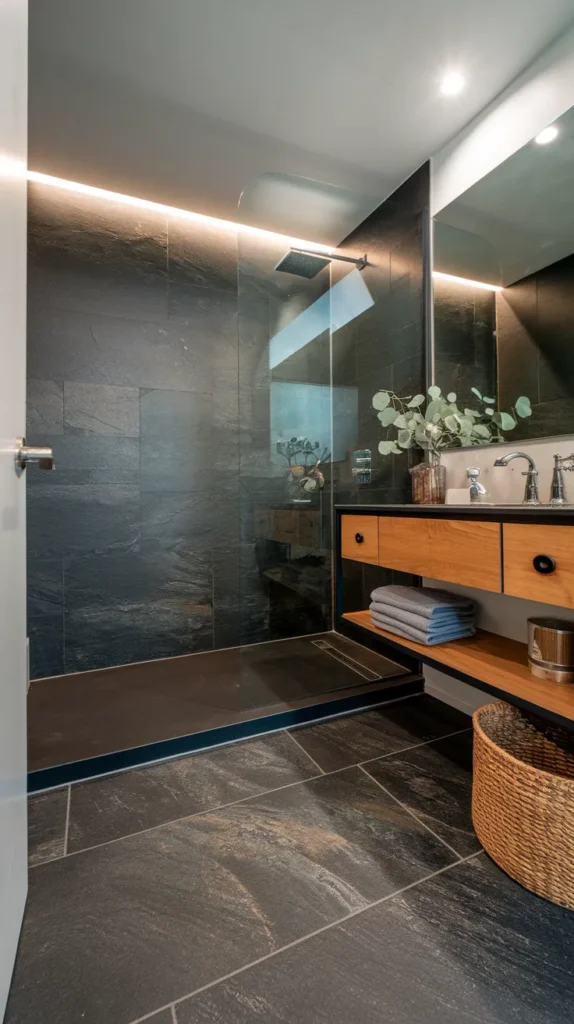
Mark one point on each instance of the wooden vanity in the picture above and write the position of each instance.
(520, 551)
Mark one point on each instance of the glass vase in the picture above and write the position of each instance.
(428, 482)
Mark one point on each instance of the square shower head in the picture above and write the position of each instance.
(302, 264)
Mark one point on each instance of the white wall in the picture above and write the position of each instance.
(543, 92)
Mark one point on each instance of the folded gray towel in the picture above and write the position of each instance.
(426, 601)
(433, 635)
(450, 617)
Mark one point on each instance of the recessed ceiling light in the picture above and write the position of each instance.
(547, 135)
(452, 84)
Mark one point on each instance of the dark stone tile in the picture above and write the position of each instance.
(44, 408)
(90, 255)
(135, 353)
(465, 947)
(176, 440)
(163, 1017)
(46, 639)
(45, 586)
(90, 459)
(202, 254)
(518, 353)
(134, 606)
(101, 409)
(180, 522)
(70, 519)
(453, 322)
(187, 902)
(352, 739)
(435, 782)
(132, 801)
(47, 825)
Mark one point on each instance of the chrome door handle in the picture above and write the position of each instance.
(43, 456)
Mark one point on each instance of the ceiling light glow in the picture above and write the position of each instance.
(173, 211)
(452, 84)
(547, 135)
(466, 280)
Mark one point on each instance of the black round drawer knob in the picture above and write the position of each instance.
(544, 564)
(359, 538)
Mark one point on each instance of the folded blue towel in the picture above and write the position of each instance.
(447, 617)
(428, 602)
(432, 635)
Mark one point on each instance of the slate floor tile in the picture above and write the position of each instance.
(128, 802)
(118, 930)
(47, 825)
(354, 738)
(466, 947)
(435, 783)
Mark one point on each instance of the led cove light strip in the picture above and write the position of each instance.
(466, 280)
(147, 204)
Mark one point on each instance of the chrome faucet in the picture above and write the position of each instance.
(531, 487)
(477, 492)
(558, 488)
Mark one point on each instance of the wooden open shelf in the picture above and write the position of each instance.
(499, 664)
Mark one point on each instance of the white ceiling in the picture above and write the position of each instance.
(353, 84)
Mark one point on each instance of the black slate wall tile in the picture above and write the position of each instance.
(45, 407)
(101, 409)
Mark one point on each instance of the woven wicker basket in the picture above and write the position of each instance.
(523, 801)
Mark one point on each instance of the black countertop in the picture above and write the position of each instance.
(510, 513)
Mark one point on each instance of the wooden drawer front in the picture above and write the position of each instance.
(451, 550)
(467, 553)
(359, 538)
(405, 544)
(522, 543)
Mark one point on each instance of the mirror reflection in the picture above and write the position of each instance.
(503, 285)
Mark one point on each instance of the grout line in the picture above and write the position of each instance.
(411, 813)
(231, 803)
(174, 1014)
(188, 817)
(67, 827)
(312, 759)
(311, 935)
(415, 746)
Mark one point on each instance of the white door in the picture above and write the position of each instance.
(13, 131)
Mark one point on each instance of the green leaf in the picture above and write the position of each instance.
(523, 407)
(405, 438)
(400, 422)
(381, 400)
(476, 392)
(451, 423)
(451, 397)
(416, 401)
(471, 412)
(388, 416)
(434, 392)
(507, 422)
(466, 424)
(432, 408)
(480, 430)
(489, 401)
(489, 412)
(386, 447)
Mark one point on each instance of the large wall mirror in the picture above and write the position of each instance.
(503, 286)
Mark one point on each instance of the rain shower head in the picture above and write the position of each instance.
(304, 263)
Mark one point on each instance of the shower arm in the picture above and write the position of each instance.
(359, 262)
